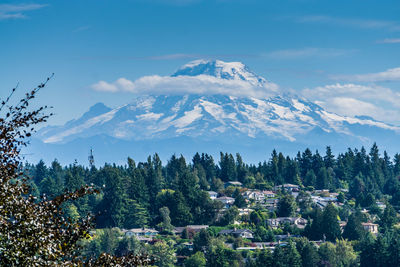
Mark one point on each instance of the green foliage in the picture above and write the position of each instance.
(229, 216)
(163, 254)
(165, 225)
(150, 194)
(196, 260)
(330, 224)
(136, 216)
(389, 218)
(353, 229)
(240, 202)
(286, 206)
(36, 232)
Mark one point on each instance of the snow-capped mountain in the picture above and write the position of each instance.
(189, 123)
(223, 70)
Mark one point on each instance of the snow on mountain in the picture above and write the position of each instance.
(163, 116)
(222, 70)
(218, 119)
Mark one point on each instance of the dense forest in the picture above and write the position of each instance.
(163, 196)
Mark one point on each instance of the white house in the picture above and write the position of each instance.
(244, 233)
(213, 195)
(269, 194)
(370, 227)
(144, 234)
(227, 201)
(288, 187)
(296, 221)
(255, 195)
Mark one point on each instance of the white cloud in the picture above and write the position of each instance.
(307, 52)
(11, 11)
(201, 84)
(352, 22)
(355, 100)
(389, 41)
(387, 75)
(103, 86)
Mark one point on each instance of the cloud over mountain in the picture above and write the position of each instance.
(197, 77)
(355, 100)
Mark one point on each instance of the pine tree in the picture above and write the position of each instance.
(330, 224)
(112, 207)
(292, 256)
(329, 159)
(353, 229)
(41, 172)
(286, 206)
(389, 218)
(135, 215)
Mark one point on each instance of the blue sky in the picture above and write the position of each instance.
(345, 55)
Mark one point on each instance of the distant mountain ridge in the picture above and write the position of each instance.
(247, 124)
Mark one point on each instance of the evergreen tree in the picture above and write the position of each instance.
(41, 172)
(394, 250)
(308, 252)
(329, 159)
(202, 240)
(112, 207)
(180, 212)
(286, 206)
(240, 202)
(227, 167)
(279, 257)
(264, 259)
(322, 179)
(330, 224)
(292, 256)
(310, 178)
(389, 218)
(136, 215)
(136, 185)
(353, 229)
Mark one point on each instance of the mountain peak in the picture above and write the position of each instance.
(222, 70)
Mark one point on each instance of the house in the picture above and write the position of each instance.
(196, 228)
(255, 195)
(296, 221)
(191, 228)
(287, 187)
(213, 195)
(245, 211)
(188, 245)
(381, 205)
(269, 194)
(233, 183)
(370, 227)
(271, 203)
(227, 201)
(244, 233)
(322, 202)
(142, 234)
